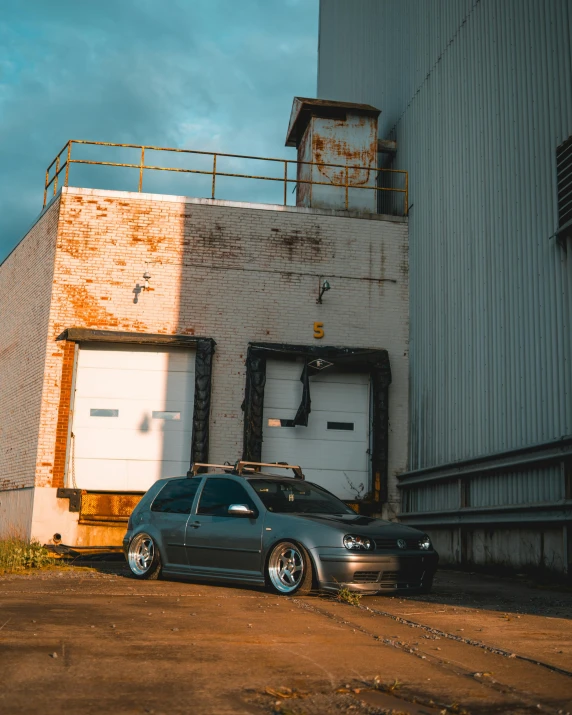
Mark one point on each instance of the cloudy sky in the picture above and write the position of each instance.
(196, 74)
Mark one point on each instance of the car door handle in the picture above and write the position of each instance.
(195, 524)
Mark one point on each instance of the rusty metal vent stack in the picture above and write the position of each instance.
(337, 154)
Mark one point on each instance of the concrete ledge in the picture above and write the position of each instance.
(169, 198)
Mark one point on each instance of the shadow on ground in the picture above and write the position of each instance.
(455, 588)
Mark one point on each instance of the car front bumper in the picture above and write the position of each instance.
(371, 573)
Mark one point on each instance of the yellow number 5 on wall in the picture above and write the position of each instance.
(318, 330)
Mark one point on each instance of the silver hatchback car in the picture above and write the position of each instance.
(245, 526)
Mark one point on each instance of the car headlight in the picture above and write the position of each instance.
(425, 543)
(357, 543)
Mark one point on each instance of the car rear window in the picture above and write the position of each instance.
(177, 496)
(294, 496)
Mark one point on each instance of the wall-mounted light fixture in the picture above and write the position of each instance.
(146, 278)
(322, 287)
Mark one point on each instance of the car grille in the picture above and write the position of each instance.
(401, 579)
(389, 576)
(366, 576)
(392, 544)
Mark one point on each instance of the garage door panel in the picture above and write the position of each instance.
(135, 414)
(338, 456)
(123, 444)
(339, 482)
(317, 426)
(132, 416)
(139, 471)
(330, 396)
(126, 475)
(93, 474)
(324, 395)
(136, 358)
(120, 384)
(345, 378)
(282, 393)
(284, 369)
(334, 447)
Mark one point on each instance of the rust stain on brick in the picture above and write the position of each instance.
(298, 244)
(87, 310)
(72, 245)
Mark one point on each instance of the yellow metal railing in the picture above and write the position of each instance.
(58, 166)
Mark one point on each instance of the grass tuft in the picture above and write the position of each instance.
(344, 595)
(19, 555)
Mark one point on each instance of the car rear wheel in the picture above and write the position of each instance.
(289, 570)
(144, 558)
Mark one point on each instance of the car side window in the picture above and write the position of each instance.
(177, 496)
(219, 494)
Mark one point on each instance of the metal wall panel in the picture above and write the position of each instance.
(478, 95)
(538, 486)
(439, 497)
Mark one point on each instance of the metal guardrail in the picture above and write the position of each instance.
(58, 166)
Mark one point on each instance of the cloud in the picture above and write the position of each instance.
(201, 74)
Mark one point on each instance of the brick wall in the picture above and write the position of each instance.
(62, 428)
(25, 291)
(234, 273)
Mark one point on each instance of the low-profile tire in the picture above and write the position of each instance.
(143, 557)
(289, 569)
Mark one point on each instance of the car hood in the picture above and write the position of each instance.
(364, 525)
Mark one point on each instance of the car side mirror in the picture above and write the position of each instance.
(240, 510)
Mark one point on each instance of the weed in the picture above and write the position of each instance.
(386, 687)
(344, 595)
(19, 554)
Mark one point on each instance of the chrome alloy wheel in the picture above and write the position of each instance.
(141, 553)
(286, 567)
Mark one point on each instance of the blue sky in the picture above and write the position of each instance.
(197, 74)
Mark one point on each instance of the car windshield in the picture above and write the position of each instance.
(291, 496)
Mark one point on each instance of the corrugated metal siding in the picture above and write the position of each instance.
(439, 497)
(478, 95)
(541, 486)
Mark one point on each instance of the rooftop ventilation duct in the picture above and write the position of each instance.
(335, 138)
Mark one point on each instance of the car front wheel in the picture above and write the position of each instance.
(289, 570)
(144, 558)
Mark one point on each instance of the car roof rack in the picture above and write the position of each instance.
(194, 470)
(242, 466)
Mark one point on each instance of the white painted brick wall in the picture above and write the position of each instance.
(25, 290)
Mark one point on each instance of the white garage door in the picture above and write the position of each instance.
(333, 448)
(132, 418)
